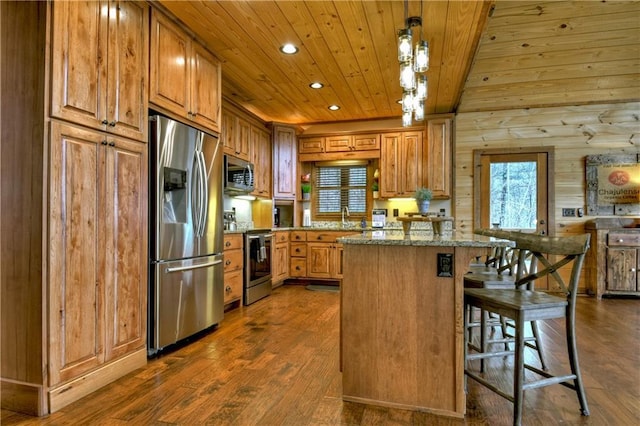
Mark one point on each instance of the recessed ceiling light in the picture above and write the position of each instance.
(316, 85)
(289, 49)
(334, 107)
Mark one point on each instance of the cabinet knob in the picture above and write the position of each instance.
(112, 124)
(621, 240)
(297, 250)
(227, 244)
(112, 143)
(228, 262)
(297, 268)
(633, 269)
(105, 122)
(227, 289)
(103, 142)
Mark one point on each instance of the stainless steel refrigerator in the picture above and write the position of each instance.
(186, 232)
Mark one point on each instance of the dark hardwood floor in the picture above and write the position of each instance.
(276, 363)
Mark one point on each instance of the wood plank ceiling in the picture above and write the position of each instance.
(528, 54)
(349, 46)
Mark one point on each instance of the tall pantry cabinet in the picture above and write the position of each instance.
(89, 316)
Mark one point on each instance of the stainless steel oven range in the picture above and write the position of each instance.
(257, 265)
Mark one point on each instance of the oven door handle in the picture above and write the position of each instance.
(188, 268)
(255, 237)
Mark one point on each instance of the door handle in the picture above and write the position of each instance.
(188, 268)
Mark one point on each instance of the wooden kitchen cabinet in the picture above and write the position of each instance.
(323, 254)
(236, 135)
(437, 166)
(184, 77)
(233, 268)
(340, 143)
(98, 248)
(612, 262)
(356, 142)
(99, 65)
(261, 153)
(285, 173)
(401, 164)
(280, 257)
(298, 251)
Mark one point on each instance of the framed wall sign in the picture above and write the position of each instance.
(613, 184)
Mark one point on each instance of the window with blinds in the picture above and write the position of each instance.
(338, 187)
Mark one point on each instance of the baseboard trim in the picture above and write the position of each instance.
(72, 391)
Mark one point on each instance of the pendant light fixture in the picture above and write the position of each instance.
(414, 62)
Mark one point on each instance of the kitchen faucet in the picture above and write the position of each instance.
(345, 209)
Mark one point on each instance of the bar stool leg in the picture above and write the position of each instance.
(483, 336)
(536, 335)
(573, 361)
(518, 374)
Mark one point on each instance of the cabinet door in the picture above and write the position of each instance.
(261, 158)
(79, 62)
(169, 65)
(77, 283)
(284, 163)
(366, 142)
(205, 89)
(319, 260)
(337, 258)
(228, 132)
(125, 246)
(622, 264)
(410, 163)
(438, 157)
(243, 136)
(338, 143)
(389, 165)
(127, 70)
(311, 145)
(281, 265)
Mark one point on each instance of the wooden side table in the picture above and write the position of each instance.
(437, 222)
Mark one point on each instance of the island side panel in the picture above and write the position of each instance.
(402, 328)
(359, 294)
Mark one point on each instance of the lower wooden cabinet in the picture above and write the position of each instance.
(97, 256)
(280, 265)
(613, 261)
(317, 254)
(233, 268)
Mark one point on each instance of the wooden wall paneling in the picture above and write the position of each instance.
(23, 39)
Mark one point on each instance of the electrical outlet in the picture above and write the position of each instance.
(568, 212)
(395, 213)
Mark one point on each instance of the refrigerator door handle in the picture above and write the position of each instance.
(195, 194)
(204, 194)
(188, 268)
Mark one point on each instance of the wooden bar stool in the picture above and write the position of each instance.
(522, 305)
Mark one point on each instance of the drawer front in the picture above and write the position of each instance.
(624, 239)
(232, 241)
(232, 286)
(233, 260)
(298, 267)
(298, 249)
(281, 237)
(298, 236)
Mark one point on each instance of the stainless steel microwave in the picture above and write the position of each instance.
(238, 175)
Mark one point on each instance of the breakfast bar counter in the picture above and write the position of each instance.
(402, 319)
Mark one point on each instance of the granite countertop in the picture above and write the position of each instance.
(398, 238)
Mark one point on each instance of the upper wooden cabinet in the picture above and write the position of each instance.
(99, 65)
(260, 147)
(236, 134)
(285, 172)
(401, 163)
(184, 76)
(438, 158)
(342, 143)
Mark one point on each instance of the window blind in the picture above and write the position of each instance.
(341, 186)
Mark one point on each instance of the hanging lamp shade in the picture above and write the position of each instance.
(405, 44)
(421, 87)
(421, 59)
(407, 76)
(407, 101)
(418, 109)
(406, 119)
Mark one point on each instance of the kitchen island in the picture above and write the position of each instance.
(402, 319)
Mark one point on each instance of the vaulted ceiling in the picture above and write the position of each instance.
(527, 54)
